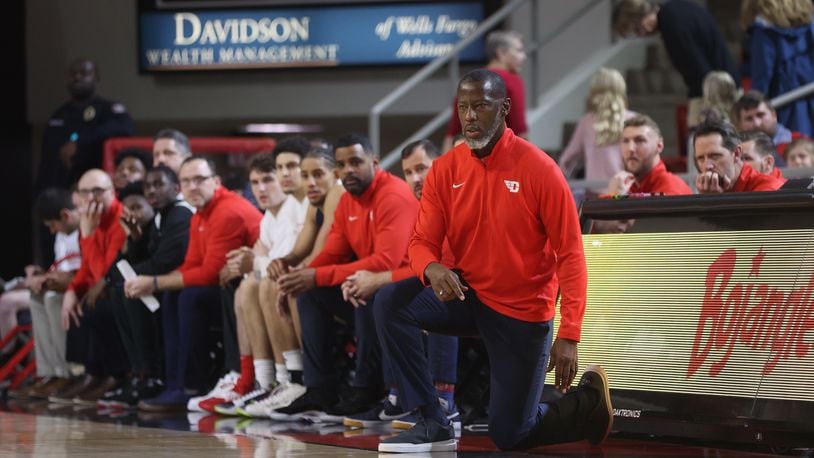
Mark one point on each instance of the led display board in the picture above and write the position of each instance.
(727, 313)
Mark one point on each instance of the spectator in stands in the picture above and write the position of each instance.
(595, 141)
(691, 36)
(170, 148)
(506, 58)
(75, 133)
(44, 291)
(527, 192)
(372, 226)
(223, 222)
(156, 249)
(720, 95)
(781, 55)
(753, 111)
(758, 151)
(800, 153)
(282, 221)
(101, 238)
(131, 165)
(719, 159)
(645, 172)
(402, 286)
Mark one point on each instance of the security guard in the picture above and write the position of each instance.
(75, 134)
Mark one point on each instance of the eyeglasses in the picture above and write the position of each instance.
(197, 180)
(97, 192)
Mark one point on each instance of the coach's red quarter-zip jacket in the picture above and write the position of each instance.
(513, 229)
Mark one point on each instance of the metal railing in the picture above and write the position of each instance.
(793, 95)
(374, 118)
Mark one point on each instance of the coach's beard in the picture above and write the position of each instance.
(487, 137)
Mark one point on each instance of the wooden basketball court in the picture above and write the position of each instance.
(37, 428)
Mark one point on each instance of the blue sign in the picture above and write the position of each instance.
(305, 37)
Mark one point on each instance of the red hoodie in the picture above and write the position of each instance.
(659, 180)
(99, 250)
(227, 222)
(512, 225)
(776, 173)
(749, 180)
(373, 229)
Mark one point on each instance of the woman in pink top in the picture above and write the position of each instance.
(595, 142)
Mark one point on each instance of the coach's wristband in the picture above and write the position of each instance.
(155, 283)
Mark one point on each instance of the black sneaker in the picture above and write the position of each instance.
(449, 408)
(309, 406)
(426, 436)
(107, 398)
(600, 420)
(387, 411)
(358, 400)
(136, 391)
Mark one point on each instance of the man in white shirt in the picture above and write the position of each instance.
(277, 186)
(44, 291)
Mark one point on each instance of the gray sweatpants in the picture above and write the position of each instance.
(49, 337)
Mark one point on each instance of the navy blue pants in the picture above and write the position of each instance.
(187, 319)
(317, 308)
(442, 350)
(518, 352)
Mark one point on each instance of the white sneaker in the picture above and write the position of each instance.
(281, 396)
(224, 385)
(287, 394)
(235, 407)
(258, 407)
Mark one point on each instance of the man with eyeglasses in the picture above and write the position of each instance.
(224, 221)
(101, 238)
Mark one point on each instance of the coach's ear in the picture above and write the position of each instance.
(505, 107)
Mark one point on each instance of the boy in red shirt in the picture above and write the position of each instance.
(511, 223)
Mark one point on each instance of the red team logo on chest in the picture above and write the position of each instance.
(513, 186)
